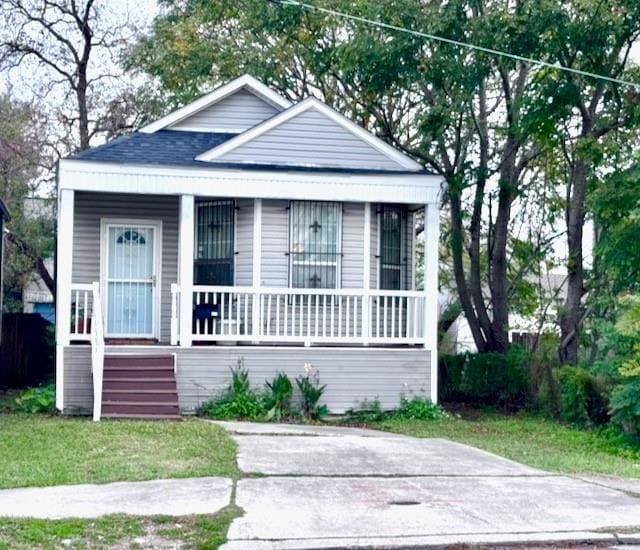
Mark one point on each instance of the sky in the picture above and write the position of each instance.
(26, 82)
(21, 81)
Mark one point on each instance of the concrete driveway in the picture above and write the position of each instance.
(313, 487)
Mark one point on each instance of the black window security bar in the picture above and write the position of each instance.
(315, 244)
(215, 243)
(395, 247)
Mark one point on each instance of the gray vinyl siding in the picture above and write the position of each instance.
(275, 243)
(90, 208)
(352, 245)
(244, 242)
(235, 113)
(311, 138)
(351, 375)
(78, 380)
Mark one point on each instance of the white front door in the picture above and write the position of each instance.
(129, 278)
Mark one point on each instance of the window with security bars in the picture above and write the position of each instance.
(215, 243)
(395, 247)
(315, 244)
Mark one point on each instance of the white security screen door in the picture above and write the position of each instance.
(130, 279)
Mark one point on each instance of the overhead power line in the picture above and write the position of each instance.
(435, 37)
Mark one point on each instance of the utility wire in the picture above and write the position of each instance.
(491, 51)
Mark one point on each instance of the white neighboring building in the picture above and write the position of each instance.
(523, 330)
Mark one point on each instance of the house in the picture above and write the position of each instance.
(242, 228)
(4, 217)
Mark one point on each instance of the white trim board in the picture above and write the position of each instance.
(244, 82)
(210, 181)
(384, 148)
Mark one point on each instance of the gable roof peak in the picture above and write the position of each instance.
(311, 102)
(244, 82)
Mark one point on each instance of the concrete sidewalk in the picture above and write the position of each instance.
(343, 488)
(168, 497)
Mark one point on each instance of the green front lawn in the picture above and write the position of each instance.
(532, 440)
(39, 451)
(118, 531)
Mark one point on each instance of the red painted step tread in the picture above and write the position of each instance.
(128, 390)
(141, 416)
(139, 367)
(136, 356)
(141, 403)
(138, 379)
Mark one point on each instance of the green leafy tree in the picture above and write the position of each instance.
(22, 162)
(588, 115)
(465, 115)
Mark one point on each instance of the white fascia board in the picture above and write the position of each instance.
(245, 81)
(310, 103)
(222, 182)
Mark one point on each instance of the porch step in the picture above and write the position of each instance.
(139, 386)
(142, 416)
(133, 371)
(134, 360)
(135, 407)
(139, 395)
(136, 383)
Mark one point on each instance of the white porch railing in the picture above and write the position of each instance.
(97, 351)
(309, 316)
(81, 311)
(87, 324)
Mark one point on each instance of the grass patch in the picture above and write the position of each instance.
(119, 531)
(532, 440)
(8, 401)
(40, 451)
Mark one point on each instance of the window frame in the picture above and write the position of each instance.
(234, 234)
(406, 245)
(338, 262)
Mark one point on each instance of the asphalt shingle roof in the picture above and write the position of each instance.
(166, 147)
(180, 148)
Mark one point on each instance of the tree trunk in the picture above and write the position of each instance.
(83, 112)
(499, 281)
(457, 252)
(571, 314)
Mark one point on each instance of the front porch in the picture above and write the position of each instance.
(367, 342)
(260, 304)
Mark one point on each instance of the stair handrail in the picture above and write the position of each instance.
(97, 351)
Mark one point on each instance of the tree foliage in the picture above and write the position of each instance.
(471, 117)
(22, 160)
(67, 53)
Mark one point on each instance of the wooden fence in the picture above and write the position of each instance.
(26, 350)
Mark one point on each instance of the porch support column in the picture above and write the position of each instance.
(64, 270)
(366, 275)
(185, 267)
(257, 267)
(431, 265)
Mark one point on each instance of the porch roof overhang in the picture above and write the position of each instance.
(251, 182)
